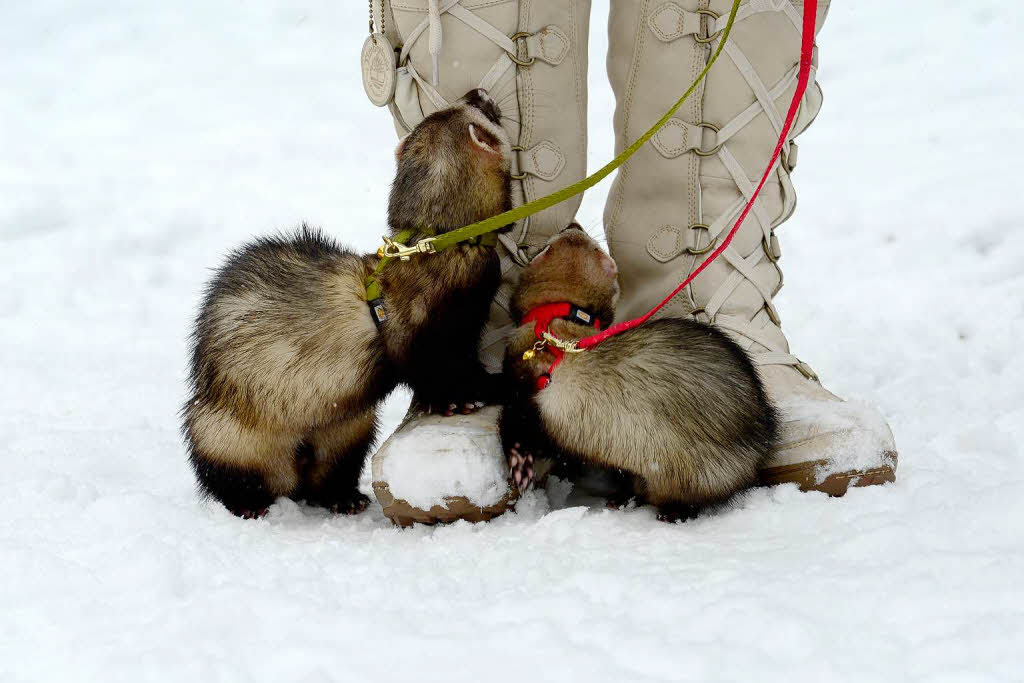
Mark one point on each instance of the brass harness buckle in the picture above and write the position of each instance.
(392, 249)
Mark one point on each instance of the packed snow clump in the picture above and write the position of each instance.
(445, 457)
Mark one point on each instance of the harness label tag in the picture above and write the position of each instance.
(377, 311)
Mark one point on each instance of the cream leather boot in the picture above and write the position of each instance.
(677, 196)
(531, 56)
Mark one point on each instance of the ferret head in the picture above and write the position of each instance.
(453, 168)
(572, 268)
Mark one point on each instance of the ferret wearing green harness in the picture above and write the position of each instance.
(288, 364)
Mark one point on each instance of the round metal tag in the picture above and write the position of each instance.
(378, 64)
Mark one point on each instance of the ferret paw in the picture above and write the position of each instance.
(450, 409)
(351, 504)
(520, 467)
(618, 502)
(246, 513)
(677, 512)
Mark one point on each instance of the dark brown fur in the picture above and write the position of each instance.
(437, 305)
(288, 365)
(674, 405)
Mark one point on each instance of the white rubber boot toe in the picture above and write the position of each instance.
(827, 444)
(441, 469)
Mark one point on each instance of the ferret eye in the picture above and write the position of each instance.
(483, 139)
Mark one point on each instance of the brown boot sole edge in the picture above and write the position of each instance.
(401, 513)
(804, 474)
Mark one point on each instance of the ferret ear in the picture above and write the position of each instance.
(541, 254)
(483, 140)
(608, 265)
(400, 148)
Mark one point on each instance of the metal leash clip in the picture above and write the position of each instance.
(566, 346)
(537, 346)
(392, 249)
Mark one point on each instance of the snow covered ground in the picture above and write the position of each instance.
(140, 141)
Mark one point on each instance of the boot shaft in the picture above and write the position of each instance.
(676, 197)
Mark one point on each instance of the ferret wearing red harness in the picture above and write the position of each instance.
(673, 405)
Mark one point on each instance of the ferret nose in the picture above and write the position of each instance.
(480, 99)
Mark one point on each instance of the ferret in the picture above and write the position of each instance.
(675, 406)
(288, 363)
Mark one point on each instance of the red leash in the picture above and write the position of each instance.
(806, 53)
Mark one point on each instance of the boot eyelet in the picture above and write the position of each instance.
(700, 152)
(807, 372)
(697, 313)
(517, 176)
(715, 16)
(515, 38)
(693, 251)
(768, 251)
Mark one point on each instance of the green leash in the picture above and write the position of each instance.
(395, 248)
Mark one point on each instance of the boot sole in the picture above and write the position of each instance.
(804, 474)
(401, 513)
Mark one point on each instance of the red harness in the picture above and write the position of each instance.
(541, 318)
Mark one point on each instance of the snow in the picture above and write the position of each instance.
(139, 142)
(859, 439)
(445, 457)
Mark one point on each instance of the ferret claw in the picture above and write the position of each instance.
(520, 468)
(352, 506)
(677, 513)
(451, 409)
(246, 513)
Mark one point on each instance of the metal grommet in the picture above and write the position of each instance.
(770, 245)
(715, 16)
(711, 244)
(517, 148)
(709, 126)
(515, 38)
(807, 372)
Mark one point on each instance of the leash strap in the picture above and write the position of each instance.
(806, 54)
(489, 225)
